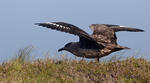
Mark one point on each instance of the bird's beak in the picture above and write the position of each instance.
(61, 49)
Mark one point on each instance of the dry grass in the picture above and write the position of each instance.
(74, 71)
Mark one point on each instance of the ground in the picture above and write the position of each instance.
(22, 70)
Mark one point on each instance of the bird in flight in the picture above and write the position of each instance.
(100, 43)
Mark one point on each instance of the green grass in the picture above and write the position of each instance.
(22, 70)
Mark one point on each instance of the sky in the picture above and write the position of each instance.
(17, 18)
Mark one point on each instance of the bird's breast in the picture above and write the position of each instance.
(87, 53)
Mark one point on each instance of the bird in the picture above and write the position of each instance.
(102, 42)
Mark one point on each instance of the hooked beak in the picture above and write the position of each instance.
(61, 49)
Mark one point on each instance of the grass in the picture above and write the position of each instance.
(22, 70)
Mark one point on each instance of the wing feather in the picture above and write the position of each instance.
(85, 38)
(117, 28)
(123, 28)
(105, 33)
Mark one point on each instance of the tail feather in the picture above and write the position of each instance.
(122, 28)
(126, 48)
(118, 48)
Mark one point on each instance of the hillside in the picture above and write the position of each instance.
(73, 71)
(22, 69)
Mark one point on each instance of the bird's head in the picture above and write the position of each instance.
(66, 47)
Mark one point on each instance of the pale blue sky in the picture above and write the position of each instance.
(17, 18)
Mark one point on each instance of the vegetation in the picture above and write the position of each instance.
(22, 70)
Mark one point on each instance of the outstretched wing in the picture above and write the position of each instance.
(124, 28)
(105, 33)
(105, 36)
(69, 28)
(117, 28)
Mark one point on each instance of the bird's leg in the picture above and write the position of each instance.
(97, 59)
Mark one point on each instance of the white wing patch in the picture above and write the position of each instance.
(50, 23)
(122, 26)
(57, 25)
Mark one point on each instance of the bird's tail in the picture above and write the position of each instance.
(118, 48)
(123, 28)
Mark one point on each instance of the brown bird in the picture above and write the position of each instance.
(102, 42)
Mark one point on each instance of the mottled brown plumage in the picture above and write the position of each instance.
(102, 42)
